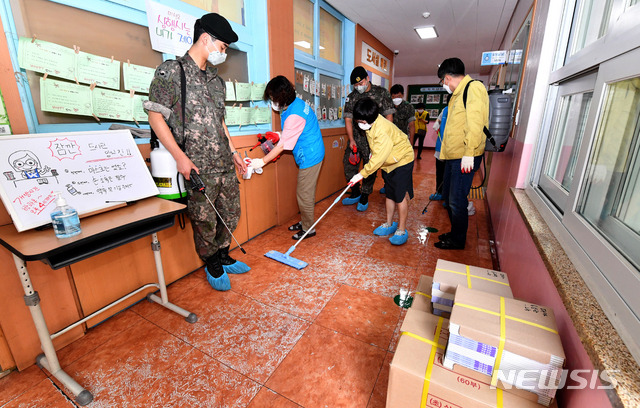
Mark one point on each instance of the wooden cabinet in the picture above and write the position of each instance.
(332, 172)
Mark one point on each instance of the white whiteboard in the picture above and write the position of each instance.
(92, 170)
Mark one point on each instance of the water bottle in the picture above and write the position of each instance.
(64, 218)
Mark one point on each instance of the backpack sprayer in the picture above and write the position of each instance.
(198, 185)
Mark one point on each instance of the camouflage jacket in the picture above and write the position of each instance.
(204, 140)
(405, 113)
(378, 94)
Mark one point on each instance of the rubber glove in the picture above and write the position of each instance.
(355, 179)
(466, 165)
(257, 163)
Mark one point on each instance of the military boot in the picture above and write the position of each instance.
(216, 275)
(231, 265)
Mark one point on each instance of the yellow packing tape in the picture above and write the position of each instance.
(515, 319)
(469, 276)
(496, 367)
(423, 294)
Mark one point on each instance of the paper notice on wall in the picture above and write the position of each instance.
(137, 77)
(65, 97)
(232, 116)
(231, 92)
(112, 104)
(102, 71)
(139, 113)
(170, 30)
(243, 91)
(5, 127)
(246, 116)
(257, 91)
(262, 115)
(46, 58)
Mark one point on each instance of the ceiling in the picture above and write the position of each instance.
(465, 29)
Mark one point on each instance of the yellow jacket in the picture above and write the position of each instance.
(390, 147)
(463, 134)
(424, 116)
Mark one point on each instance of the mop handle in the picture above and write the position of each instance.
(321, 217)
(225, 224)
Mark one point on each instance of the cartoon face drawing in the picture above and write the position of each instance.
(24, 160)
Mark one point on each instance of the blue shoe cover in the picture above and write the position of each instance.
(362, 207)
(435, 197)
(350, 201)
(382, 190)
(385, 229)
(236, 268)
(399, 239)
(221, 283)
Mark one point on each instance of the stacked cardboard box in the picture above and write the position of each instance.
(449, 275)
(508, 343)
(422, 295)
(417, 377)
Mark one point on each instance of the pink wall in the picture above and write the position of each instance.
(529, 278)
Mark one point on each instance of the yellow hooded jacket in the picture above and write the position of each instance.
(463, 133)
(390, 147)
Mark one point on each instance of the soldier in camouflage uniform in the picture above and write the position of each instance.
(405, 116)
(201, 141)
(363, 89)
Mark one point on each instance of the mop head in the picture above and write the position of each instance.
(221, 283)
(236, 268)
(286, 259)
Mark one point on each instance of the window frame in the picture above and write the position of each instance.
(612, 278)
(253, 39)
(320, 66)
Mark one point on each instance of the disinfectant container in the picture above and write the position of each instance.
(64, 218)
(164, 171)
(500, 110)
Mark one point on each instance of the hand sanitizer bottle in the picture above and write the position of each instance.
(65, 219)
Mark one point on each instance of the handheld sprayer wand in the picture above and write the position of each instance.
(198, 185)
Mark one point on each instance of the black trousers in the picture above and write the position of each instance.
(420, 135)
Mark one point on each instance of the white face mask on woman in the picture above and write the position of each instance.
(364, 126)
(216, 57)
(275, 106)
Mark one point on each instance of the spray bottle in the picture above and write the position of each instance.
(64, 218)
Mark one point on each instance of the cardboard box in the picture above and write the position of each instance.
(422, 294)
(419, 355)
(449, 275)
(491, 335)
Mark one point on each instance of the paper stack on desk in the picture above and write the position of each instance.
(511, 344)
(449, 275)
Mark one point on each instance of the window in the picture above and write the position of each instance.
(120, 30)
(319, 53)
(586, 175)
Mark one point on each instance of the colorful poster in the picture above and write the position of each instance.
(112, 104)
(46, 58)
(105, 72)
(65, 97)
(170, 30)
(137, 77)
(257, 91)
(243, 91)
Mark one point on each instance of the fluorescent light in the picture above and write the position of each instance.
(303, 44)
(426, 32)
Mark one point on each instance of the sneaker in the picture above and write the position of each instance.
(436, 197)
(399, 237)
(385, 229)
(301, 233)
(382, 190)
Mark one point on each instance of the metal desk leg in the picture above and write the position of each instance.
(163, 300)
(48, 360)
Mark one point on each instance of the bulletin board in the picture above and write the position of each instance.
(434, 97)
(92, 170)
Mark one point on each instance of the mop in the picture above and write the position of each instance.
(286, 258)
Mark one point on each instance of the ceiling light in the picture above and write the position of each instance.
(426, 32)
(426, 14)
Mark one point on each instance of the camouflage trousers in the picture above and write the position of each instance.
(350, 170)
(209, 234)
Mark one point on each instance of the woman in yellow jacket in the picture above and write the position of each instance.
(392, 152)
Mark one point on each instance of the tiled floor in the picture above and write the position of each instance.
(319, 337)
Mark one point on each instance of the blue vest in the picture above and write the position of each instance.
(443, 122)
(309, 149)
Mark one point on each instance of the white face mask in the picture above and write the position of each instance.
(446, 88)
(361, 88)
(364, 126)
(420, 110)
(275, 107)
(216, 57)
(397, 101)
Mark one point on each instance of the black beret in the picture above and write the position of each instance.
(358, 74)
(219, 27)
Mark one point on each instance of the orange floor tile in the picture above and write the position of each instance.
(323, 336)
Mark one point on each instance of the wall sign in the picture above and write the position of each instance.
(170, 30)
(374, 59)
